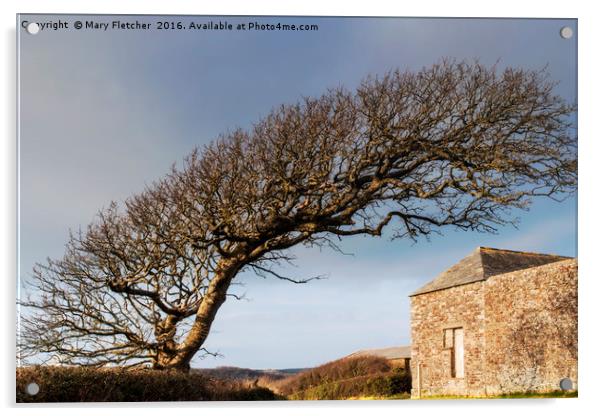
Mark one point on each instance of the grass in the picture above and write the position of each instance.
(397, 396)
(536, 395)
(515, 395)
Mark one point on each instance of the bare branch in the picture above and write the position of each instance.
(262, 271)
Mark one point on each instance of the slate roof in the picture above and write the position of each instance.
(390, 353)
(483, 263)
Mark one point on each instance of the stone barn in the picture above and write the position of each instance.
(498, 321)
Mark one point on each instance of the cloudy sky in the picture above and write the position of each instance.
(104, 113)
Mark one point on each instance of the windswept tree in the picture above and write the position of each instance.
(456, 145)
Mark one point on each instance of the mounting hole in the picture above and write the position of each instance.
(32, 389)
(33, 28)
(566, 32)
(566, 384)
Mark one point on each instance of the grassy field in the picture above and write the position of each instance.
(517, 395)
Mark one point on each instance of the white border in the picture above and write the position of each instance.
(589, 186)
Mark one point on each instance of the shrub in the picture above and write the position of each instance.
(80, 384)
(345, 368)
(348, 377)
(380, 386)
(389, 384)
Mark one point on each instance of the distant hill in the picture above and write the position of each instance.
(237, 373)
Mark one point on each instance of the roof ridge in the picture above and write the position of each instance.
(485, 262)
(481, 248)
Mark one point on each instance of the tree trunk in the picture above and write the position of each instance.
(165, 335)
(213, 299)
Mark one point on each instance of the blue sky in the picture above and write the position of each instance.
(105, 113)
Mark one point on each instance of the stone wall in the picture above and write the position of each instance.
(520, 333)
(531, 328)
(432, 313)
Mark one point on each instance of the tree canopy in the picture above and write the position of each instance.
(456, 144)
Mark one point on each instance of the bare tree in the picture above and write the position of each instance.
(456, 144)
